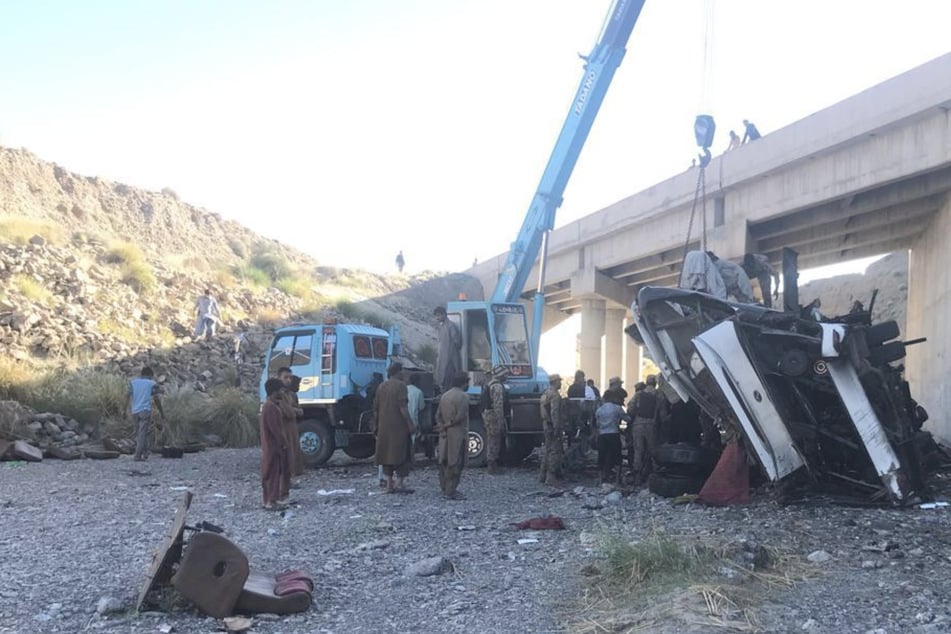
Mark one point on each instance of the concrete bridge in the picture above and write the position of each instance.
(866, 176)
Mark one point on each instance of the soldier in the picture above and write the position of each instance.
(757, 266)
(643, 410)
(553, 424)
(493, 415)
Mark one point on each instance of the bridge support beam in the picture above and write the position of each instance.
(929, 303)
(613, 345)
(592, 337)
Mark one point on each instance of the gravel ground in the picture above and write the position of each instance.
(76, 532)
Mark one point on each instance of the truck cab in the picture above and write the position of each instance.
(497, 334)
(335, 362)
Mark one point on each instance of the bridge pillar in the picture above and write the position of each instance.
(613, 343)
(730, 241)
(929, 303)
(592, 336)
(632, 360)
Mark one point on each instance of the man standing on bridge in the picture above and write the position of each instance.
(757, 265)
(449, 351)
(751, 133)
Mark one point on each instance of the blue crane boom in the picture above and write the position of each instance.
(494, 332)
(599, 69)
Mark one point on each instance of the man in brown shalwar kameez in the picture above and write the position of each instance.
(290, 412)
(392, 427)
(274, 462)
(452, 423)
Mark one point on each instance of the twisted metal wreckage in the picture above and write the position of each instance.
(819, 403)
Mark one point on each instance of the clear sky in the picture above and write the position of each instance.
(354, 128)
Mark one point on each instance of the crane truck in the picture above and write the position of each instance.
(496, 332)
(336, 360)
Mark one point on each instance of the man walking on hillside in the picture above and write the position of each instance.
(208, 315)
(274, 450)
(392, 427)
(449, 350)
(141, 395)
(452, 423)
(400, 262)
(493, 415)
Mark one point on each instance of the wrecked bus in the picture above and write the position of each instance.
(821, 403)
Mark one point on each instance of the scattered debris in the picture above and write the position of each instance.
(335, 492)
(549, 522)
(238, 623)
(108, 605)
(429, 567)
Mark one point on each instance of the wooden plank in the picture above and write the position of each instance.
(168, 553)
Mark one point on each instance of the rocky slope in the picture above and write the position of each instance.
(889, 275)
(101, 274)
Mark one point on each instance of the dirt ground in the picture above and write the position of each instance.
(77, 533)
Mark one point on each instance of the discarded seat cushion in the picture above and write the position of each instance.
(212, 574)
(295, 574)
(257, 597)
(550, 522)
(291, 585)
(730, 481)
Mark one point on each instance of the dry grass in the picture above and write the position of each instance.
(19, 230)
(666, 583)
(268, 317)
(31, 289)
(135, 270)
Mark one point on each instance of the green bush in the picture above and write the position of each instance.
(139, 276)
(296, 287)
(87, 396)
(350, 310)
(233, 416)
(427, 353)
(124, 253)
(251, 275)
(274, 265)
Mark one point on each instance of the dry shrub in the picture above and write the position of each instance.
(674, 583)
(19, 230)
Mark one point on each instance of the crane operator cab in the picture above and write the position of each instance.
(494, 334)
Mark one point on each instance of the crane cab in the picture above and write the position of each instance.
(494, 334)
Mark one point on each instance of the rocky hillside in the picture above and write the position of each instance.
(889, 275)
(101, 274)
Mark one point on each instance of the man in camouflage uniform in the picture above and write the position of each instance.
(553, 423)
(493, 415)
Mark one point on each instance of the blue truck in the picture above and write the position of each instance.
(336, 361)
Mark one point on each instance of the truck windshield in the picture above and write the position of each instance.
(290, 350)
(511, 335)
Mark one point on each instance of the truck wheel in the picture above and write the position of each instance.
(316, 442)
(669, 485)
(678, 453)
(476, 447)
(360, 447)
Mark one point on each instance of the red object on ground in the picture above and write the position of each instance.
(542, 523)
(730, 481)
